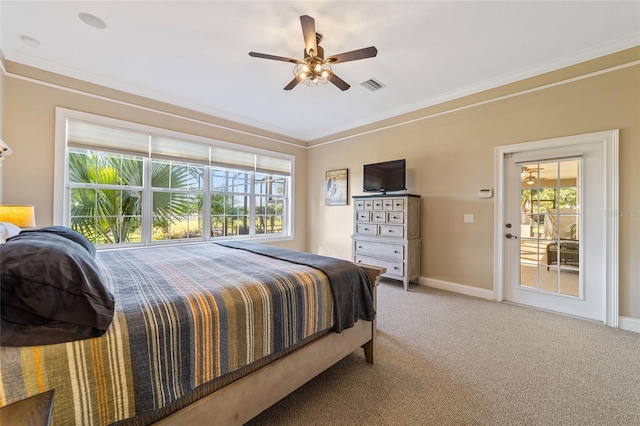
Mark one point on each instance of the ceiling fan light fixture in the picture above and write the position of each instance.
(313, 74)
(314, 69)
(531, 179)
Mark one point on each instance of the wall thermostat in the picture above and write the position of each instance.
(485, 193)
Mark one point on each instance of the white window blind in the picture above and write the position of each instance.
(266, 164)
(81, 134)
(233, 158)
(172, 149)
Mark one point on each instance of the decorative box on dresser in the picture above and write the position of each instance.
(386, 233)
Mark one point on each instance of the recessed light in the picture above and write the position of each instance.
(92, 20)
(30, 41)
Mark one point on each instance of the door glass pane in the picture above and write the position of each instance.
(549, 227)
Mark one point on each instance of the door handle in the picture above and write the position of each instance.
(510, 236)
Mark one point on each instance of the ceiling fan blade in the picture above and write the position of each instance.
(293, 83)
(309, 33)
(340, 83)
(275, 58)
(367, 52)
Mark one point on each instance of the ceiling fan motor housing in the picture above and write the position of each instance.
(319, 54)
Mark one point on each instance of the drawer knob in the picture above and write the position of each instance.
(359, 246)
(366, 229)
(396, 251)
(390, 230)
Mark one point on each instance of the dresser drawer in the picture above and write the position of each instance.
(390, 251)
(366, 229)
(378, 217)
(359, 204)
(398, 204)
(368, 204)
(387, 204)
(396, 231)
(377, 204)
(363, 217)
(395, 217)
(393, 268)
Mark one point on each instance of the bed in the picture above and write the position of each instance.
(215, 331)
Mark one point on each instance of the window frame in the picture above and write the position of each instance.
(62, 210)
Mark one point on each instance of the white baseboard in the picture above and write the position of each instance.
(457, 288)
(629, 324)
(625, 323)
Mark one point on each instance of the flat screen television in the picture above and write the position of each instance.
(388, 176)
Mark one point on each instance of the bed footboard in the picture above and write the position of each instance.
(244, 399)
(374, 273)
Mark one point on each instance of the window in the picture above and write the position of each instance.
(121, 183)
(105, 195)
(270, 203)
(177, 200)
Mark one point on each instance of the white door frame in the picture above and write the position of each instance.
(609, 141)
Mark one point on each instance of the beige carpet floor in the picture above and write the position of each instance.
(448, 359)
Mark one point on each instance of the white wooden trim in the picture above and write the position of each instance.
(308, 144)
(612, 219)
(625, 323)
(457, 288)
(450, 97)
(609, 139)
(630, 324)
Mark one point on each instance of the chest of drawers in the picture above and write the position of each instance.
(386, 233)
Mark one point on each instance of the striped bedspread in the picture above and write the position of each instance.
(184, 317)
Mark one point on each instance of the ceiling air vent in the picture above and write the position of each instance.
(373, 84)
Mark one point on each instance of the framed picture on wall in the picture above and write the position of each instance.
(336, 185)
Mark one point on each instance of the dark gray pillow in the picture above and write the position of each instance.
(52, 291)
(63, 231)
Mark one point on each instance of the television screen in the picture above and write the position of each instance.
(385, 177)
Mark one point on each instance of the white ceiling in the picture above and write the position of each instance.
(195, 54)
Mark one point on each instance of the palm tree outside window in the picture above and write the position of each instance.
(122, 190)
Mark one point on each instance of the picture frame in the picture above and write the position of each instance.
(336, 187)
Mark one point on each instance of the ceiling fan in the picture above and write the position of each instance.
(315, 69)
(529, 174)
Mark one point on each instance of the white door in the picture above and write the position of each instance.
(555, 233)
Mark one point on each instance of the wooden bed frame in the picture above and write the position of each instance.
(242, 400)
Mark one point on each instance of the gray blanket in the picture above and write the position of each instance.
(352, 291)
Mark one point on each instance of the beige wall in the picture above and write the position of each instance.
(450, 156)
(449, 150)
(29, 127)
